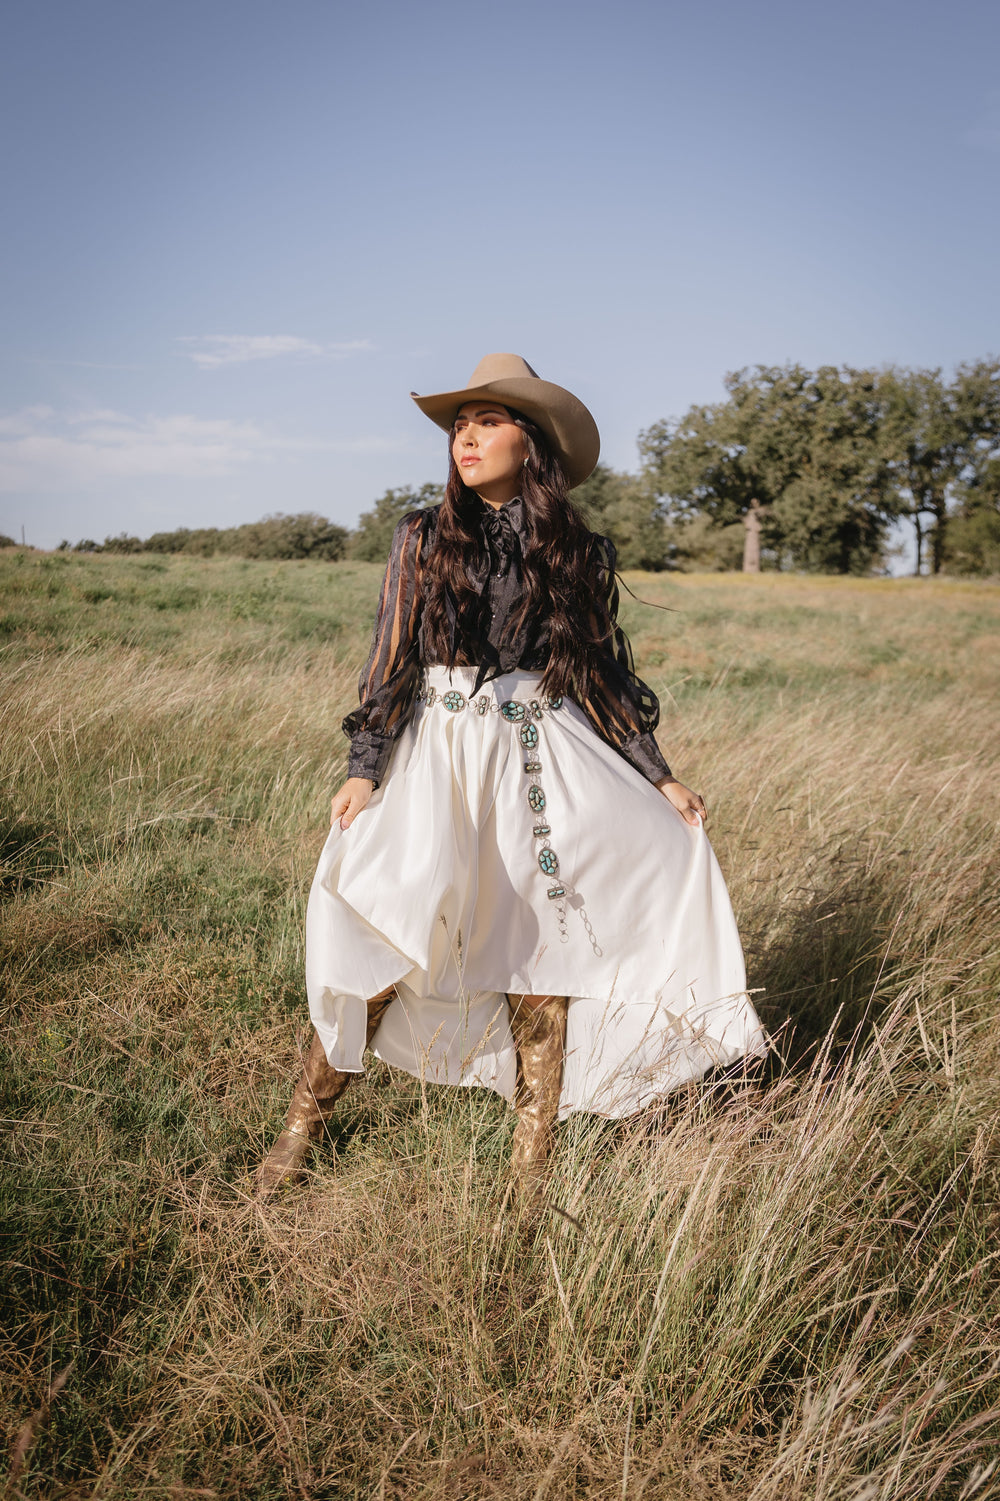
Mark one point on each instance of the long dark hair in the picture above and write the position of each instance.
(561, 570)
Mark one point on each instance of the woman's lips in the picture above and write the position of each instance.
(471, 459)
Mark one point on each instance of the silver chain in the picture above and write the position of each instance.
(588, 929)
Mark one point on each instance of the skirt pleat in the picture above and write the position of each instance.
(436, 888)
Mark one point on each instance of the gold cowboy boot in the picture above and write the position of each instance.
(540, 1039)
(315, 1095)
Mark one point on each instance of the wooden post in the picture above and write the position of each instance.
(751, 539)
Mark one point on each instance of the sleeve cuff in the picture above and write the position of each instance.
(645, 755)
(370, 755)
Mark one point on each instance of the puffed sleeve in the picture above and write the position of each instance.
(623, 711)
(388, 682)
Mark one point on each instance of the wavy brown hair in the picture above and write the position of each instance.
(563, 568)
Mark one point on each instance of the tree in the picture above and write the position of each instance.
(798, 450)
(938, 437)
(123, 543)
(972, 541)
(923, 441)
(834, 512)
(734, 458)
(204, 542)
(305, 535)
(972, 545)
(621, 507)
(696, 545)
(371, 542)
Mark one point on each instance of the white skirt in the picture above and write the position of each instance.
(440, 887)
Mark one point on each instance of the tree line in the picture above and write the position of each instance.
(794, 469)
(303, 535)
(814, 467)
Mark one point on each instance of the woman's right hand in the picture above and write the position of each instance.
(350, 800)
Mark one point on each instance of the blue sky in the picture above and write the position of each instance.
(236, 235)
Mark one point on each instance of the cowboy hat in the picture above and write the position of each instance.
(510, 380)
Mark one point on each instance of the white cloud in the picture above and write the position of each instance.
(210, 351)
(41, 451)
(17, 424)
(46, 452)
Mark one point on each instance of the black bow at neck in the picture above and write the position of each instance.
(502, 530)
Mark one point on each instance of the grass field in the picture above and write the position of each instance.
(778, 1288)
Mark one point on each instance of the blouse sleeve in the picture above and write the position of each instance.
(623, 711)
(388, 682)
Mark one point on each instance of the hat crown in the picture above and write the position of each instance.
(500, 367)
(509, 380)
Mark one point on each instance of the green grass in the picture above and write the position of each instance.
(781, 1287)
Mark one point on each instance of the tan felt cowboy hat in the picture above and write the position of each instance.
(510, 380)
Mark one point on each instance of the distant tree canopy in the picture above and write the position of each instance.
(800, 448)
(303, 536)
(813, 467)
(619, 506)
(944, 446)
(828, 459)
(370, 542)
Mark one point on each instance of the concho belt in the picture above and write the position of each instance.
(525, 716)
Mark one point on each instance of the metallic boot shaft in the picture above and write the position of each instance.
(540, 1039)
(313, 1099)
(315, 1095)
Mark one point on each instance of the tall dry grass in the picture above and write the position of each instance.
(780, 1286)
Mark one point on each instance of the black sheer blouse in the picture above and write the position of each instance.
(623, 711)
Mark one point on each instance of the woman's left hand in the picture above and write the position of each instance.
(690, 805)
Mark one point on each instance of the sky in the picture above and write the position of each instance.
(237, 233)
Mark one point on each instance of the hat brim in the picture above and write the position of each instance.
(562, 416)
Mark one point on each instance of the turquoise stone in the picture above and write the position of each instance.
(554, 703)
(529, 736)
(549, 862)
(536, 799)
(541, 831)
(482, 703)
(512, 711)
(532, 766)
(556, 891)
(453, 701)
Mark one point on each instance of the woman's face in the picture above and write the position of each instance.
(489, 450)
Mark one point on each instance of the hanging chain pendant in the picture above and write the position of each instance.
(548, 860)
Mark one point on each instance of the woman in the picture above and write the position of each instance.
(515, 892)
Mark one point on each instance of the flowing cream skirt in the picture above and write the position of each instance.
(441, 887)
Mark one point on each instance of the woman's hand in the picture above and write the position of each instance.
(690, 805)
(350, 800)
